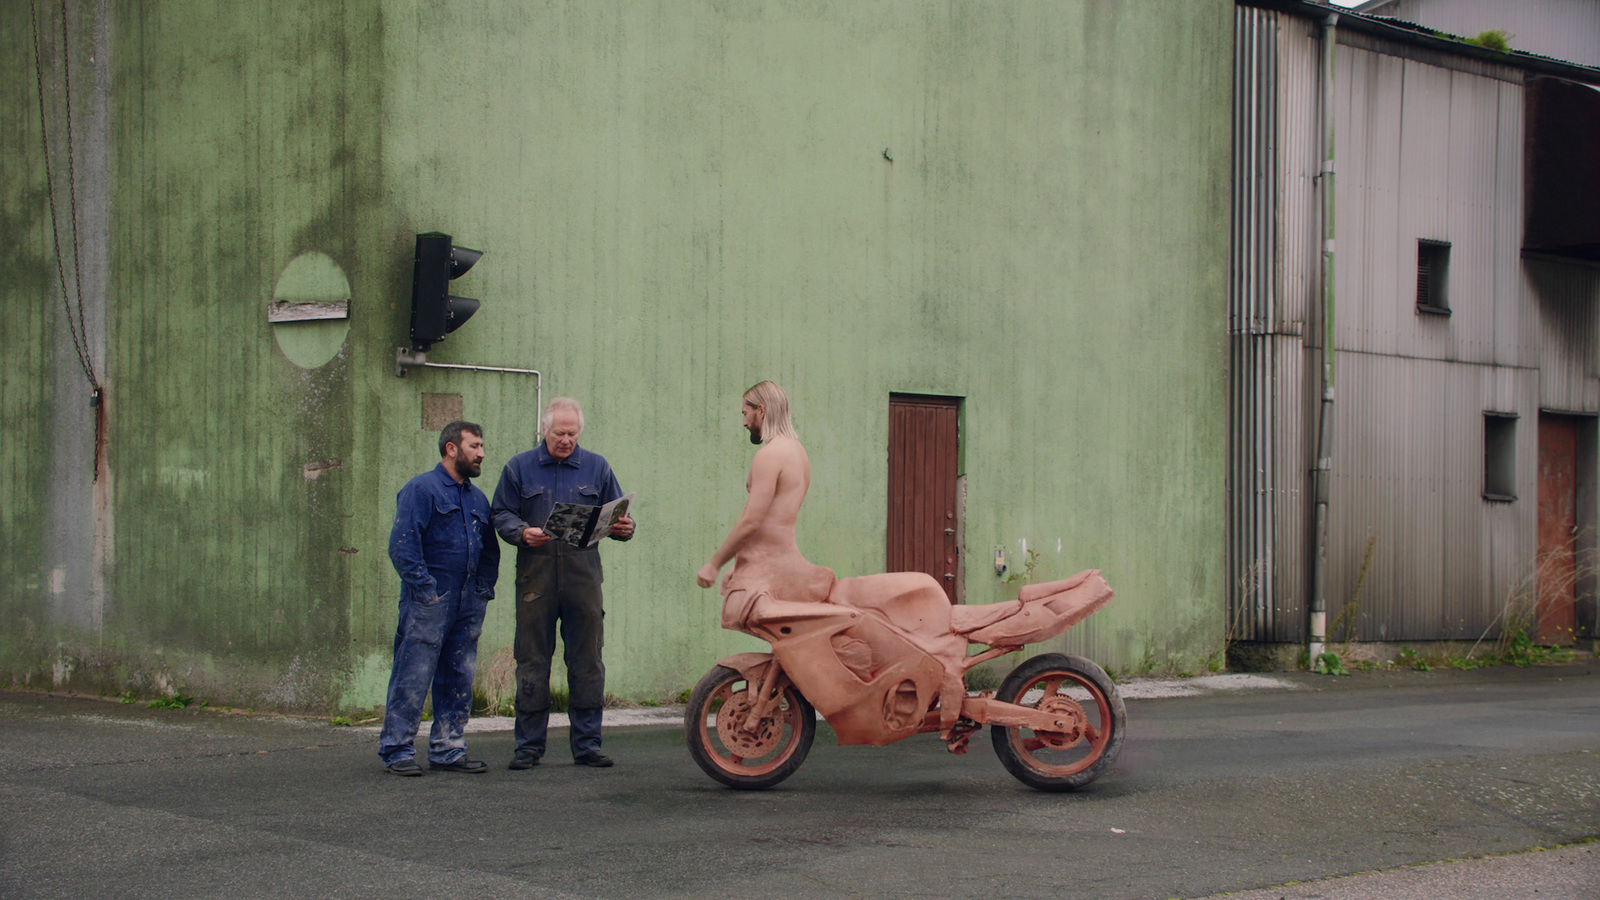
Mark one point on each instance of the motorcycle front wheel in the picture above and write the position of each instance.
(1061, 684)
(721, 741)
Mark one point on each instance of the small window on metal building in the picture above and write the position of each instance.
(1499, 456)
(1433, 277)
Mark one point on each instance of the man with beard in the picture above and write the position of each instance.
(762, 543)
(557, 583)
(443, 546)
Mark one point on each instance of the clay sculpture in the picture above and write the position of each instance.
(882, 657)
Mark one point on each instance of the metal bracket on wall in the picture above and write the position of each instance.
(408, 359)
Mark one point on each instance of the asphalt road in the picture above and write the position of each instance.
(1319, 778)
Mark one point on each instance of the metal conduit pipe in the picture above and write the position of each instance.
(1318, 632)
(407, 359)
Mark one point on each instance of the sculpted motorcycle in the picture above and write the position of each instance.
(885, 657)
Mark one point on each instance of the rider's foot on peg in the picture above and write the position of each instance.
(593, 760)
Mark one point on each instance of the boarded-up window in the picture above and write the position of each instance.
(439, 410)
(1433, 277)
(1499, 456)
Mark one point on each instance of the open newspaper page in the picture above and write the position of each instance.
(584, 526)
(609, 514)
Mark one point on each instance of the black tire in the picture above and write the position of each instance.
(738, 758)
(1050, 761)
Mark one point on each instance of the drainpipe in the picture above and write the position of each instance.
(1323, 472)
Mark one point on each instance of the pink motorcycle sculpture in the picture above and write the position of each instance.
(884, 657)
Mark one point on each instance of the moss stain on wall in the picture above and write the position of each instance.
(1020, 205)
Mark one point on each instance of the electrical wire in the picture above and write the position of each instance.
(72, 300)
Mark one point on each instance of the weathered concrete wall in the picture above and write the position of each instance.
(1023, 205)
(53, 313)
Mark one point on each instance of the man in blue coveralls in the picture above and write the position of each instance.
(557, 581)
(443, 546)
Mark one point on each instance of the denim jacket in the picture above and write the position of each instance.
(442, 541)
(534, 482)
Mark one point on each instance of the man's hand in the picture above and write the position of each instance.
(534, 537)
(622, 529)
(707, 575)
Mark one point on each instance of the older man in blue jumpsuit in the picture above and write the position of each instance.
(443, 546)
(557, 581)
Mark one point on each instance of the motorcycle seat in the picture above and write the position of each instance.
(912, 601)
(967, 619)
(1047, 610)
(1032, 592)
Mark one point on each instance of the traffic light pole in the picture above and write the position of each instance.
(418, 359)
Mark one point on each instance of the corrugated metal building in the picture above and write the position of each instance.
(1465, 299)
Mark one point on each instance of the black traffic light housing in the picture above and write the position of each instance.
(434, 313)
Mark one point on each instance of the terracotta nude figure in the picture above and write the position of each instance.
(881, 657)
(762, 543)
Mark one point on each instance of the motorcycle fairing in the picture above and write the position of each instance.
(878, 697)
(885, 650)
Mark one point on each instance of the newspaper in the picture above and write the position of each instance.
(584, 526)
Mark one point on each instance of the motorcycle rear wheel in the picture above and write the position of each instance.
(748, 759)
(1068, 685)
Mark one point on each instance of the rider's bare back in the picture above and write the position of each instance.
(762, 543)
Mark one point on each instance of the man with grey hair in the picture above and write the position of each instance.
(557, 582)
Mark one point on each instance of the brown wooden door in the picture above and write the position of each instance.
(1558, 528)
(924, 446)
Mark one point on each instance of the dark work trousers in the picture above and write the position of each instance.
(559, 582)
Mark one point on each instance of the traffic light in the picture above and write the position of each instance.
(434, 313)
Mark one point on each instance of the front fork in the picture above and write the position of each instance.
(763, 699)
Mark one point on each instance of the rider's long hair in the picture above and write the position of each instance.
(768, 396)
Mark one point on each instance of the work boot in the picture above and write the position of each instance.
(469, 766)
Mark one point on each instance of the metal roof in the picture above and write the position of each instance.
(1405, 32)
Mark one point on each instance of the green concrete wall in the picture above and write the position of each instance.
(1024, 205)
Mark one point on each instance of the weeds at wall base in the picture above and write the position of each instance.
(358, 717)
(1396, 656)
(1328, 663)
(1510, 639)
(1520, 651)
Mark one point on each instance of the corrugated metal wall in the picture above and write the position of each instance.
(1423, 152)
(1407, 504)
(1252, 316)
(1565, 297)
(1273, 297)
